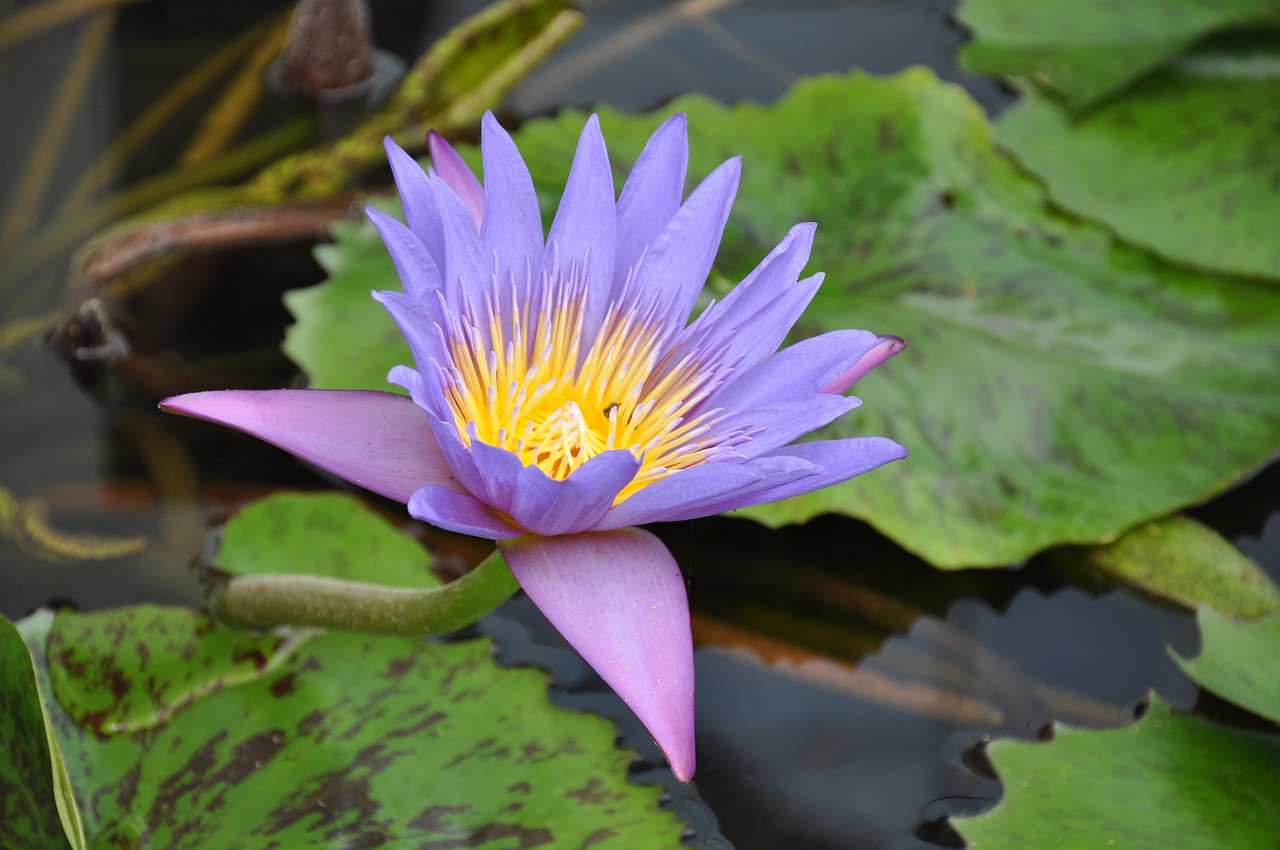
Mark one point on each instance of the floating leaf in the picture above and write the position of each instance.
(1167, 781)
(1239, 662)
(1087, 49)
(328, 534)
(349, 741)
(1184, 562)
(1057, 388)
(1187, 164)
(29, 815)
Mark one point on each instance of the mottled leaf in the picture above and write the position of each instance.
(29, 816)
(1184, 562)
(122, 671)
(1087, 49)
(1186, 164)
(1239, 662)
(1057, 388)
(328, 534)
(357, 742)
(1168, 781)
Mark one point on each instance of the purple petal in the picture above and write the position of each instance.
(546, 506)
(414, 264)
(618, 597)
(380, 441)
(698, 491)
(457, 175)
(885, 347)
(418, 197)
(758, 313)
(460, 512)
(782, 423)
(840, 460)
(499, 469)
(512, 230)
(585, 225)
(417, 324)
(679, 259)
(652, 193)
(797, 370)
(466, 269)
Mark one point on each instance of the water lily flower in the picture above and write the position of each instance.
(561, 396)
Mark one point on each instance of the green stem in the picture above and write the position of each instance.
(258, 602)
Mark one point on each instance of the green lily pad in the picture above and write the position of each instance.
(1058, 388)
(355, 741)
(1170, 781)
(1187, 164)
(1239, 662)
(29, 810)
(1182, 561)
(1087, 49)
(328, 534)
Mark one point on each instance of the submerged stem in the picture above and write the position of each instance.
(263, 601)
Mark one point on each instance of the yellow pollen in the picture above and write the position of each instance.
(519, 387)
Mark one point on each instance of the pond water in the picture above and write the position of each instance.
(843, 685)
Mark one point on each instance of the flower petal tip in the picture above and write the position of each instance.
(887, 346)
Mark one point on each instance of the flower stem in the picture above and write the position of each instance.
(256, 602)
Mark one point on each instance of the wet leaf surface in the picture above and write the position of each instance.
(1058, 388)
(1169, 780)
(1087, 49)
(1239, 662)
(1182, 561)
(1186, 164)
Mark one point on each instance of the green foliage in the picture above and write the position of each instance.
(1170, 780)
(1186, 164)
(1179, 560)
(1088, 49)
(328, 534)
(1058, 388)
(1239, 662)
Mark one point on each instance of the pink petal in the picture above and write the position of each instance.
(381, 441)
(457, 175)
(619, 599)
(882, 351)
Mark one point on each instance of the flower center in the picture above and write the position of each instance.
(518, 385)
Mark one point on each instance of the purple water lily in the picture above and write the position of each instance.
(562, 397)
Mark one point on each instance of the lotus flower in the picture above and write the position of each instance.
(561, 397)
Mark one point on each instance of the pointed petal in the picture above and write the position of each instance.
(460, 512)
(585, 225)
(417, 324)
(512, 230)
(414, 264)
(700, 490)
(840, 460)
(807, 367)
(784, 422)
(679, 259)
(457, 175)
(418, 197)
(380, 441)
(652, 193)
(546, 506)
(885, 347)
(618, 597)
(466, 269)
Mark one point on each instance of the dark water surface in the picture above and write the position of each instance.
(843, 686)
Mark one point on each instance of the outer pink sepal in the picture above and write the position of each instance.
(882, 351)
(618, 597)
(381, 441)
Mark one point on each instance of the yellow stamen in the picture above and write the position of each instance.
(521, 389)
